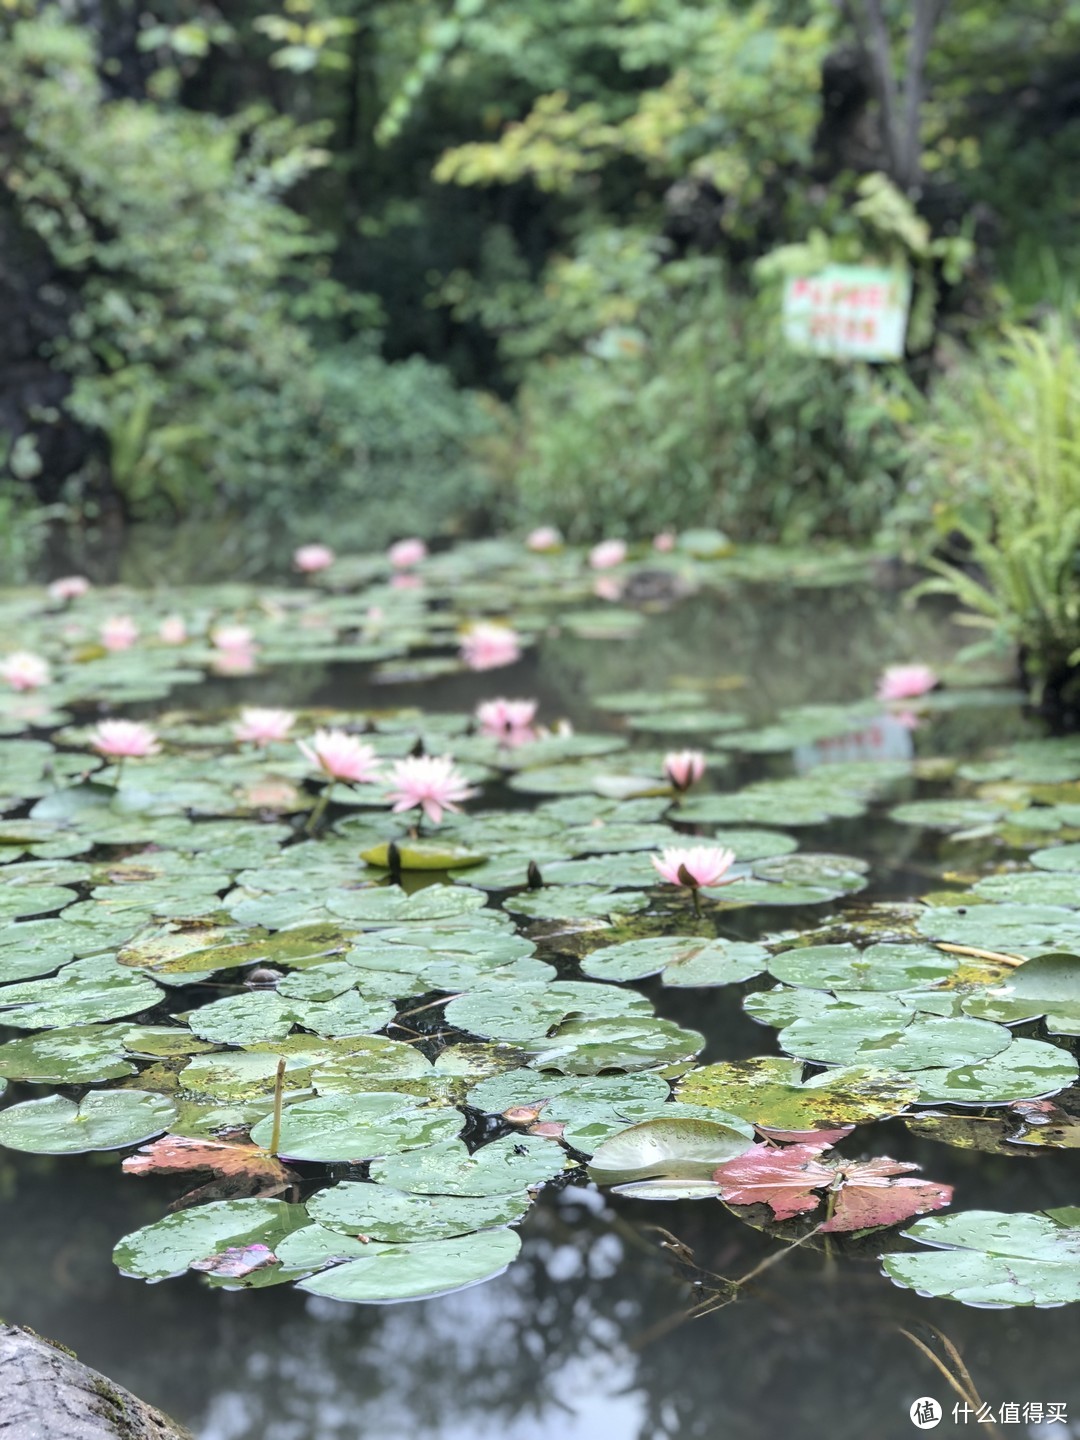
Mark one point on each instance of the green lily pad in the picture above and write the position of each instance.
(946, 814)
(395, 1216)
(176, 949)
(424, 855)
(669, 1149)
(518, 1012)
(858, 1037)
(1064, 858)
(573, 902)
(76, 1055)
(1026, 1070)
(390, 905)
(770, 1091)
(357, 1127)
(505, 1167)
(1008, 929)
(84, 991)
(1046, 986)
(590, 1046)
(878, 967)
(170, 1245)
(994, 1260)
(105, 1120)
(417, 1271)
(684, 959)
(34, 947)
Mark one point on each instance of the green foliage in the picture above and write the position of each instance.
(192, 349)
(695, 414)
(1003, 452)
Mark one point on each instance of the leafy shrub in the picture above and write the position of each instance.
(699, 415)
(196, 295)
(1003, 459)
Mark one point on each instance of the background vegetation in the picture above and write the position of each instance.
(373, 267)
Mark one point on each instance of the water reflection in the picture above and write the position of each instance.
(569, 1343)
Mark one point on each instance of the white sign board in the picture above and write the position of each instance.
(848, 312)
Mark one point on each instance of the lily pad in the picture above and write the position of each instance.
(857, 1037)
(505, 1167)
(1026, 1070)
(105, 1120)
(395, 1216)
(417, 1271)
(878, 967)
(72, 1056)
(357, 1127)
(684, 960)
(669, 1149)
(769, 1091)
(1046, 986)
(994, 1260)
(84, 991)
(170, 1245)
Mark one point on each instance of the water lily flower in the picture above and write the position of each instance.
(487, 646)
(310, 559)
(407, 553)
(173, 630)
(262, 727)
(684, 767)
(509, 721)
(905, 682)
(124, 739)
(607, 554)
(606, 587)
(23, 670)
(119, 632)
(233, 638)
(69, 587)
(664, 542)
(432, 783)
(341, 756)
(544, 537)
(695, 866)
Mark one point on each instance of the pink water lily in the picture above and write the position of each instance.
(119, 632)
(69, 587)
(906, 682)
(664, 542)
(498, 716)
(607, 554)
(407, 553)
(23, 670)
(684, 767)
(263, 727)
(341, 756)
(432, 783)
(233, 638)
(696, 866)
(310, 559)
(544, 537)
(173, 630)
(124, 739)
(488, 646)
(607, 587)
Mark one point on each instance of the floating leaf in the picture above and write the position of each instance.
(993, 1260)
(878, 967)
(504, 1167)
(84, 991)
(1047, 986)
(417, 1271)
(105, 1120)
(72, 1056)
(394, 1216)
(681, 1149)
(1026, 1070)
(424, 855)
(684, 959)
(170, 1245)
(856, 1036)
(357, 1127)
(769, 1091)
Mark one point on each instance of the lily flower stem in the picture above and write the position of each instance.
(318, 811)
(279, 1092)
(697, 902)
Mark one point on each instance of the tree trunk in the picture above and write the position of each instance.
(46, 1394)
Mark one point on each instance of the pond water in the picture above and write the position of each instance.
(588, 1332)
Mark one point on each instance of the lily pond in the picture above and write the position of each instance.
(332, 979)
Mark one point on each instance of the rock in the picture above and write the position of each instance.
(46, 1394)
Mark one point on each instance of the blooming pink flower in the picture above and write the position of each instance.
(119, 632)
(260, 727)
(234, 662)
(309, 559)
(703, 865)
(69, 587)
(405, 580)
(431, 782)
(684, 768)
(124, 739)
(487, 647)
(544, 537)
(507, 720)
(664, 542)
(407, 553)
(173, 630)
(23, 670)
(341, 756)
(607, 554)
(232, 637)
(905, 682)
(606, 587)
